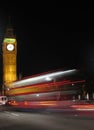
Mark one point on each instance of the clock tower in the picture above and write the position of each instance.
(9, 48)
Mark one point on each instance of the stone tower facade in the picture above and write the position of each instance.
(9, 48)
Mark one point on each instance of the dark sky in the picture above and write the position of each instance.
(50, 37)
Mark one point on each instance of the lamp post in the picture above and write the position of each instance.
(3, 89)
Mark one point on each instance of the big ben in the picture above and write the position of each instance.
(9, 48)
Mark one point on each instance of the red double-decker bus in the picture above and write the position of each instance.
(46, 90)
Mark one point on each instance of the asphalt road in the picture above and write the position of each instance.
(45, 120)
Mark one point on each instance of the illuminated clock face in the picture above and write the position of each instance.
(10, 47)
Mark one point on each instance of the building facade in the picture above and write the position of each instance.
(9, 48)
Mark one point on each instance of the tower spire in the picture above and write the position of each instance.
(9, 30)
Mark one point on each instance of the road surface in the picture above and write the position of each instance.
(45, 120)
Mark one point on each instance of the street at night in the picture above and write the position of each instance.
(46, 67)
(45, 120)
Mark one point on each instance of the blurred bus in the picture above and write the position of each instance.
(47, 90)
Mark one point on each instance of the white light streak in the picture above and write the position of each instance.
(41, 78)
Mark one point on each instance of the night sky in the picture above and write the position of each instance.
(50, 37)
